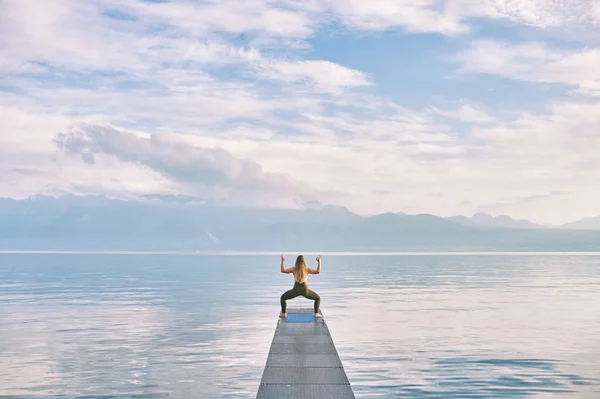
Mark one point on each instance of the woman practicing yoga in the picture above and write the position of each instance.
(300, 272)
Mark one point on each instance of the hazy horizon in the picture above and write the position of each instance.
(96, 223)
(187, 201)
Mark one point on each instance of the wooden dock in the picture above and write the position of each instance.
(303, 362)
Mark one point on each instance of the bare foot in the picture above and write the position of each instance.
(317, 315)
(283, 315)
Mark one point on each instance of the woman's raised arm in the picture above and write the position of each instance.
(283, 269)
(318, 270)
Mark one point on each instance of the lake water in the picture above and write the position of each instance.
(153, 326)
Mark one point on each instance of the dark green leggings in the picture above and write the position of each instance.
(300, 289)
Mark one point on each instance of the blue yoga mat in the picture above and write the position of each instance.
(300, 318)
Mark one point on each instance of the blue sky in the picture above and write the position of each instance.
(444, 107)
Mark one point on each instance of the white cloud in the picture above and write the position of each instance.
(589, 88)
(548, 13)
(451, 17)
(534, 62)
(67, 33)
(327, 76)
(30, 162)
(494, 167)
(22, 130)
(467, 113)
(229, 75)
(210, 172)
(254, 16)
(72, 34)
(300, 19)
(79, 36)
(412, 15)
(544, 153)
(566, 133)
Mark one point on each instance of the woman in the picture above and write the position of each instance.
(300, 272)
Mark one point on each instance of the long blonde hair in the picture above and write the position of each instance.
(300, 270)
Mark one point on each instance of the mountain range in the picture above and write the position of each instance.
(502, 221)
(178, 223)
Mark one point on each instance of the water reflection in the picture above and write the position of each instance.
(405, 327)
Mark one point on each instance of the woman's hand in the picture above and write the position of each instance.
(282, 261)
(319, 258)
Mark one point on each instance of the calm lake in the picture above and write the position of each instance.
(200, 326)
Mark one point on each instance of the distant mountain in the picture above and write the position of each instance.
(411, 222)
(592, 223)
(501, 221)
(179, 223)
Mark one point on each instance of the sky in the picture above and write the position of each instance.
(416, 106)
